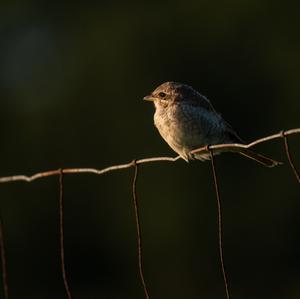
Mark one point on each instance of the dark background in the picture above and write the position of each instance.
(72, 78)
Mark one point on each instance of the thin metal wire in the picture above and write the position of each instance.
(135, 163)
(139, 231)
(48, 173)
(61, 233)
(289, 156)
(214, 171)
(3, 260)
(229, 147)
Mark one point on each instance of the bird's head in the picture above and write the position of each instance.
(172, 92)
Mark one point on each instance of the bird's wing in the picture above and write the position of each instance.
(200, 101)
(232, 136)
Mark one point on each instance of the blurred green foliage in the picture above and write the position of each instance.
(72, 77)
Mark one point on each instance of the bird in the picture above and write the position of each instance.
(186, 120)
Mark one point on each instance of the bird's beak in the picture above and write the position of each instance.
(150, 98)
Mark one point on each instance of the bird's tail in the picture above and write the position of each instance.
(259, 158)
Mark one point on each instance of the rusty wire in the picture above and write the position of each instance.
(61, 172)
(3, 260)
(61, 234)
(139, 231)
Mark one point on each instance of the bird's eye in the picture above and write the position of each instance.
(162, 94)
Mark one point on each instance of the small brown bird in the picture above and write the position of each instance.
(187, 120)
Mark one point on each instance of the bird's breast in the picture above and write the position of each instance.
(184, 127)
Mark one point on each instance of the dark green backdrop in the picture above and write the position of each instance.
(72, 78)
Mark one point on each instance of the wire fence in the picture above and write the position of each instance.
(135, 164)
